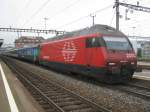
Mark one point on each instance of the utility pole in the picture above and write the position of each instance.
(45, 21)
(117, 15)
(93, 18)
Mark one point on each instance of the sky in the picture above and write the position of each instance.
(69, 15)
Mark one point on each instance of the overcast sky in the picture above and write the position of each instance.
(69, 15)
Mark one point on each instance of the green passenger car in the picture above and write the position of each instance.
(29, 54)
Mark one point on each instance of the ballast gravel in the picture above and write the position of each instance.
(114, 100)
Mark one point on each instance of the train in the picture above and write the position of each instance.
(100, 52)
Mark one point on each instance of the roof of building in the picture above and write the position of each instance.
(28, 38)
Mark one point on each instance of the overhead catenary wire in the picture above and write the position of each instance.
(97, 11)
(37, 11)
(68, 6)
(25, 7)
(65, 8)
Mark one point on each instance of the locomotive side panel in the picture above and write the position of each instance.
(96, 57)
(68, 52)
(75, 56)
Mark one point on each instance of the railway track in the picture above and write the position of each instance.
(136, 90)
(51, 96)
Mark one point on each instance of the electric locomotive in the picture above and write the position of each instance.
(99, 51)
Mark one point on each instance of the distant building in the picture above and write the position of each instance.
(141, 44)
(28, 41)
(146, 50)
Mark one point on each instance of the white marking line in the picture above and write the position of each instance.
(11, 100)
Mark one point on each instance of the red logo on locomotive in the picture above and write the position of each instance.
(69, 51)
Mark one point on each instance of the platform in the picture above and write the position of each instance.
(145, 74)
(143, 63)
(17, 98)
(143, 66)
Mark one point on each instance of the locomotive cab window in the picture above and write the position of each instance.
(93, 42)
(117, 43)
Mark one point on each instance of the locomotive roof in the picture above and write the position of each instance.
(101, 29)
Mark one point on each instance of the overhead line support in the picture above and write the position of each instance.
(32, 30)
(135, 7)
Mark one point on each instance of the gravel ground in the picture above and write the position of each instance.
(112, 99)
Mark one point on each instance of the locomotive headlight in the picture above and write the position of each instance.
(111, 64)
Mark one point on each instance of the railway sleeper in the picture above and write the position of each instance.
(54, 93)
(61, 104)
(46, 89)
(47, 106)
(38, 98)
(63, 100)
(41, 102)
(84, 110)
(57, 96)
(75, 107)
(50, 110)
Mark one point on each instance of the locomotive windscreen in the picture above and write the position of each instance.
(117, 43)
